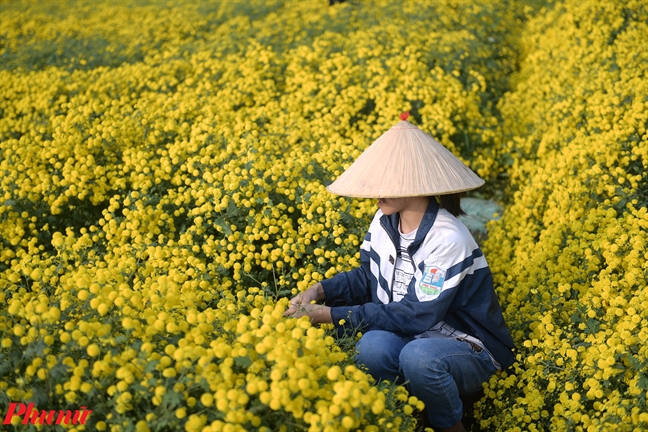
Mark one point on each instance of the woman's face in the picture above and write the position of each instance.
(389, 206)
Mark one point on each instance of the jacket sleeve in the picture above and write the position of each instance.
(353, 287)
(431, 293)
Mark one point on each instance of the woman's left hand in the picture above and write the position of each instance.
(318, 314)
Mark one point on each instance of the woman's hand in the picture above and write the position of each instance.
(314, 293)
(301, 305)
(318, 314)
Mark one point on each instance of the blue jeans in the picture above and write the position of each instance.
(435, 370)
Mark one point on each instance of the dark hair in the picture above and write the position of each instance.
(452, 203)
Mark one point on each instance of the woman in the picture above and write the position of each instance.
(423, 295)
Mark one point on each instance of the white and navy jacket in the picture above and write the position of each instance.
(452, 282)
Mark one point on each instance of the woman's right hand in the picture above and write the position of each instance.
(315, 292)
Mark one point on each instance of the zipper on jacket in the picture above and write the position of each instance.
(391, 282)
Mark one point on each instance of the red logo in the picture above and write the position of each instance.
(34, 416)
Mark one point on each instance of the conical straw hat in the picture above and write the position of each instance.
(405, 162)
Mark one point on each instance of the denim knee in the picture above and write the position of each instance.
(439, 371)
(378, 352)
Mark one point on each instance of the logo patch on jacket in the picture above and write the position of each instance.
(432, 280)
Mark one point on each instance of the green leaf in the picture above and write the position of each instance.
(243, 362)
(150, 366)
(643, 382)
(172, 399)
(35, 349)
(58, 371)
(593, 325)
(223, 225)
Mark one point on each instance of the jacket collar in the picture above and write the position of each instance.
(390, 223)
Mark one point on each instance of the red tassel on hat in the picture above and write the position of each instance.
(404, 115)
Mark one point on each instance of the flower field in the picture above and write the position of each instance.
(569, 254)
(162, 194)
